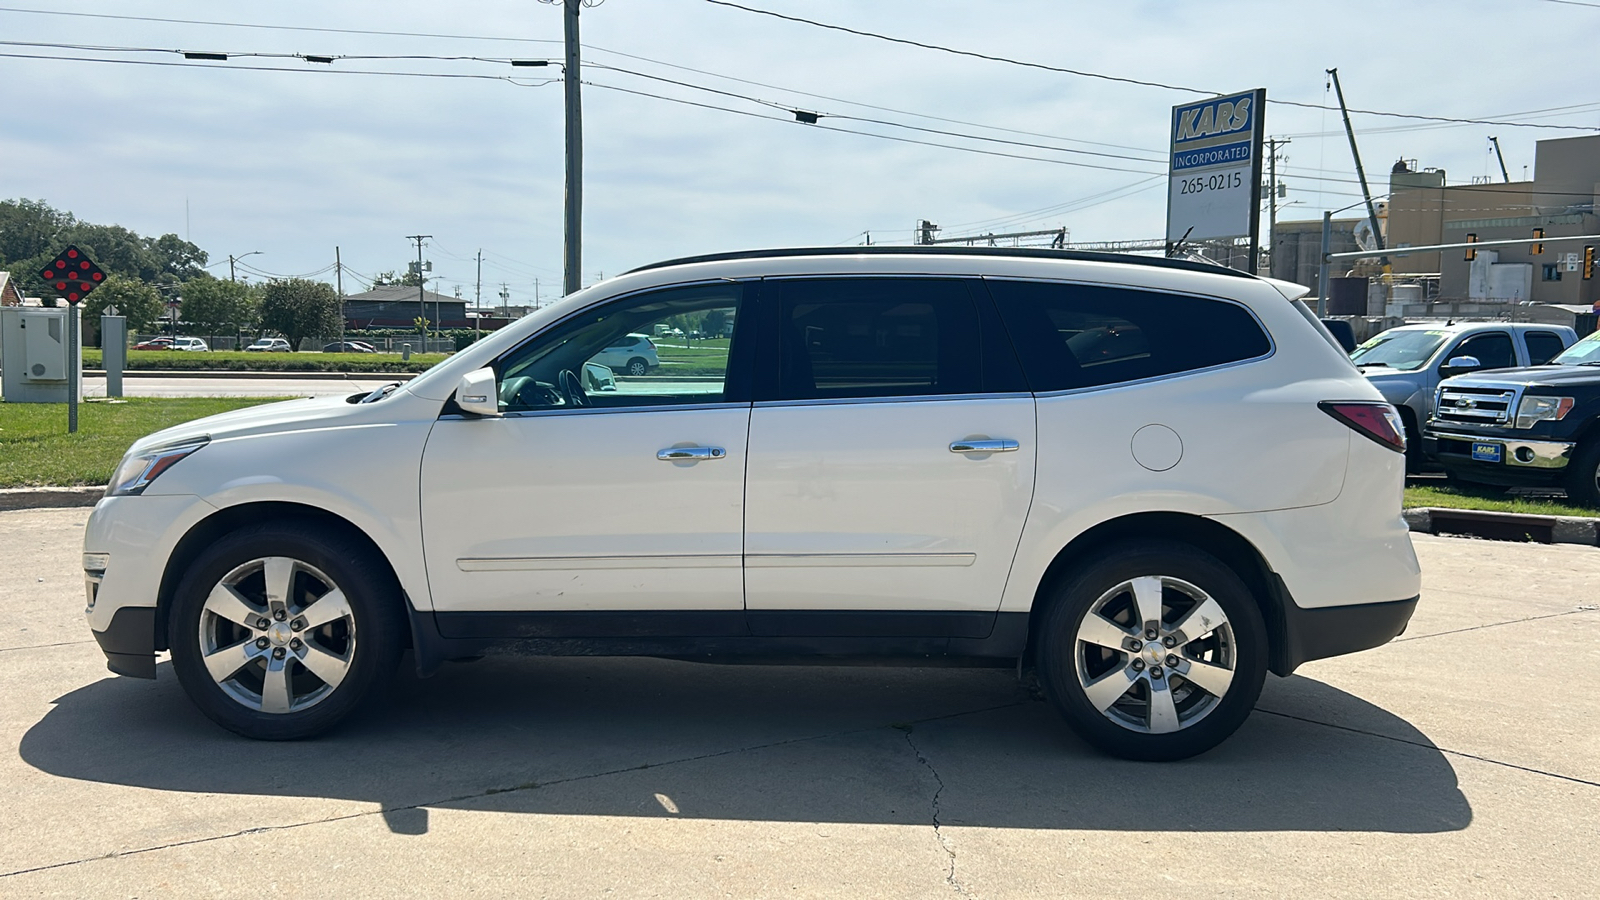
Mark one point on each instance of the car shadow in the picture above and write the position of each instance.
(645, 737)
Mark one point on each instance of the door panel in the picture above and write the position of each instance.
(863, 507)
(575, 511)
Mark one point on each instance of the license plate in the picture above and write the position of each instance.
(1484, 452)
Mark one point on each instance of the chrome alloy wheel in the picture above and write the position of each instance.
(277, 635)
(1155, 654)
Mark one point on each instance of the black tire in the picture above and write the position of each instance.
(1211, 719)
(638, 366)
(366, 642)
(1582, 479)
(1417, 461)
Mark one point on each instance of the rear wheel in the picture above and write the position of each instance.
(1157, 651)
(280, 631)
(637, 366)
(1582, 479)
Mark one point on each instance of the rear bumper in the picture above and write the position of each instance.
(129, 642)
(1308, 634)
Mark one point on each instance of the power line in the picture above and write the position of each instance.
(1118, 78)
(417, 34)
(211, 65)
(886, 137)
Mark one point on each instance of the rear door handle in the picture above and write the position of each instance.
(1003, 445)
(681, 454)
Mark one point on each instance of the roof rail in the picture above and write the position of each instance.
(924, 250)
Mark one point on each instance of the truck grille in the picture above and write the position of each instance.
(1484, 406)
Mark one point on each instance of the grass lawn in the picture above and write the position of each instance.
(239, 360)
(35, 449)
(1492, 499)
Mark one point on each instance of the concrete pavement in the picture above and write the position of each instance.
(1458, 761)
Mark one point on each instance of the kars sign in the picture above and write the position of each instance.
(1214, 188)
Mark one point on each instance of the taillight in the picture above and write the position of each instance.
(1378, 421)
(651, 343)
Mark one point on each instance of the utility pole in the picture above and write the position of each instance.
(505, 300)
(1372, 210)
(1272, 198)
(230, 268)
(422, 292)
(535, 293)
(1504, 175)
(338, 268)
(477, 300)
(571, 273)
(1322, 270)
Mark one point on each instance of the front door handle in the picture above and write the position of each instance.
(1003, 445)
(684, 454)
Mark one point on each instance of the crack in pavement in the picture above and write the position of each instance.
(1418, 637)
(42, 646)
(493, 791)
(1434, 747)
(938, 832)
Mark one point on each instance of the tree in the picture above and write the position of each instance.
(389, 279)
(299, 309)
(138, 301)
(32, 232)
(215, 306)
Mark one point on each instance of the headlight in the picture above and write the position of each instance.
(137, 471)
(1540, 409)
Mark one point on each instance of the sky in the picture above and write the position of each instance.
(295, 163)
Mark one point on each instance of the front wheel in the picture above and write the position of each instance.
(1582, 480)
(637, 366)
(1157, 651)
(279, 632)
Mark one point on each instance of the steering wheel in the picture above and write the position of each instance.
(572, 387)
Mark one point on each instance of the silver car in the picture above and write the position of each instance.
(632, 354)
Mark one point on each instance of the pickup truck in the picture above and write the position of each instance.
(1530, 426)
(1407, 363)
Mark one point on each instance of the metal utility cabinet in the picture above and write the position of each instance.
(33, 354)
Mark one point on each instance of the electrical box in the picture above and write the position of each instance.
(34, 361)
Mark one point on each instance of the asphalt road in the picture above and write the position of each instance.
(1460, 760)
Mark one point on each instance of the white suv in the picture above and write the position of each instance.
(1152, 480)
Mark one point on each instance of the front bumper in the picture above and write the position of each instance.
(1522, 462)
(129, 642)
(1309, 634)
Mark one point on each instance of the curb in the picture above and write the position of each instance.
(1500, 526)
(254, 373)
(49, 497)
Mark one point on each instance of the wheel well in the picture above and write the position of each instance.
(1220, 541)
(213, 527)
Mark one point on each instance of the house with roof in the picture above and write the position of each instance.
(10, 294)
(399, 306)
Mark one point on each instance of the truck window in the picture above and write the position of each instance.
(1493, 349)
(1542, 345)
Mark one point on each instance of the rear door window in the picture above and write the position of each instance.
(1542, 345)
(1075, 336)
(844, 338)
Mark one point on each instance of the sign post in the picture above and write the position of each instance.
(1214, 179)
(73, 276)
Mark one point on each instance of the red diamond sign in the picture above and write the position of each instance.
(73, 275)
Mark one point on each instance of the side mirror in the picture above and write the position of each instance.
(477, 394)
(598, 378)
(1460, 365)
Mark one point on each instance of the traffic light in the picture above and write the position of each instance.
(1538, 238)
(1588, 262)
(1471, 253)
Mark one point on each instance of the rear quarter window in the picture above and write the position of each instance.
(1075, 336)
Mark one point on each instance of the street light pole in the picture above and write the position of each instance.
(233, 259)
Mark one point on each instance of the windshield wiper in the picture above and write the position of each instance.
(1385, 365)
(381, 392)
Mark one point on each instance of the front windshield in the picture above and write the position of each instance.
(1397, 349)
(1584, 353)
